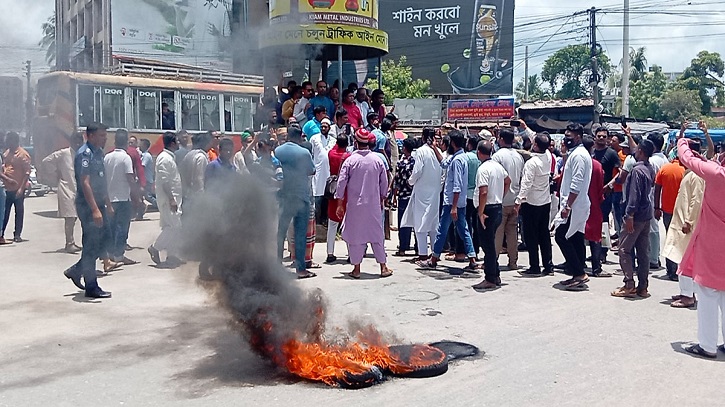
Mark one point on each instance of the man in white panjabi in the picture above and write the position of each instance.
(322, 143)
(422, 211)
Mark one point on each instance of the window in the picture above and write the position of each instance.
(168, 115)
(88, 105)
(200, 111)
(237, 112)
(148, 109)
(113, 108)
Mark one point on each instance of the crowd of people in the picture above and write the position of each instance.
(459, 197)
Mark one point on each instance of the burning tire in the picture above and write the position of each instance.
(418, 361)
(360, 381)
(456, 350)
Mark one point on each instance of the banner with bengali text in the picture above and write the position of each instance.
(324, 34)
(481, 109)
(361, 13)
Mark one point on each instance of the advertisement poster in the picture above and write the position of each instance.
(363, 13)
(481, 109)
(191, 32)
(460, 46)
(419, 112)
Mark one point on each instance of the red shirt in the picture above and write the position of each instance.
(336, 156)
(593, 229)
(138, 170)
(354, 115)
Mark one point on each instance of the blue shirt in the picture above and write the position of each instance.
(311, 128)
(321, 101)
(456, 180)
(473, 164)
(380, 140)
(217, 172)
(89, 161)
(297, 166)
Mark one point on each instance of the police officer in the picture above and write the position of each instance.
(94, 209)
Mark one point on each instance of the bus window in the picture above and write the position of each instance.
(88, 104)
(209, 112)
(190, 111)
(148, 109)
(242, 113)
(228, 113)
(113, 108)
(168, 116)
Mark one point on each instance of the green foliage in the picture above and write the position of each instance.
(398, 82)
(48, 41)
(645, 94)
(567, 71)
(699, 75)
(637, 63)
(678, 104)
(536, 89)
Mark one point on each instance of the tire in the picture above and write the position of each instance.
(362, 381)
(457, 350)
(435, 365)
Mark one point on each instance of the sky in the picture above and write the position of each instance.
(673, 31)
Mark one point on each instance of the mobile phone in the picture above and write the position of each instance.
(623, 121)
(515, 123)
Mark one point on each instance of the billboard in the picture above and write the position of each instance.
(481, 109)
(460, 46)
(192, 32)
(418, 112)
(363, 13)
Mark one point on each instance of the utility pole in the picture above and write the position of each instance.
(28, 102)
(526, 75)
(625, 62)
(594, 53)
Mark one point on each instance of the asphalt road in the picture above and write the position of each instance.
(161, 341)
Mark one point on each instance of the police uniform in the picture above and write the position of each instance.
(89, 162)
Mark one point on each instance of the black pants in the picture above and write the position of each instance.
(671, 265)
(321, 210)
(13, 198)
(487, 238)
(573, 249)
(536, 235)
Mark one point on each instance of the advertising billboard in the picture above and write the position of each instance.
(460, 46)
(191, 32)
(481, 109)
(418, 112)
(324, 22)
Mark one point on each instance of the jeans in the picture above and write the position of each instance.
(573, 249)
(637, 240)
(2, 209)
(597, 252)
(297, 211)
(536, 235)
(94, 243)
(671, 265)
(618, 211)
(403, 233)
(460, 224)
(18, 200)
(487, 237)
(120, 224)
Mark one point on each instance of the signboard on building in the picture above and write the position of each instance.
(461, 46)
(481, 109)
(418, 112)
(324, 22)
(191, 32)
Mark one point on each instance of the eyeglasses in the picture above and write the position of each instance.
(602, 136)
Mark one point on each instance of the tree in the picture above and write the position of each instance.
(645, 94)
(637, 63)
(48, 41)
(568, 70)
(536, 89)
(679, 104)
(701, 76)
(398, 82)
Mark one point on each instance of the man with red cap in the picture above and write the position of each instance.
(363, 184)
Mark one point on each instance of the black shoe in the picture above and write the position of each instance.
(673, 277)
(521, 247)
(76, 279)
(560, 266)
(98, 293)
(530, 273)
(330, 259)
(155, 257)
(18, 239)
(547, 272)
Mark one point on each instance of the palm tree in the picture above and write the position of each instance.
(638, 63)
(48, 41)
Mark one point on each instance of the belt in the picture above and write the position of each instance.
(494, 205)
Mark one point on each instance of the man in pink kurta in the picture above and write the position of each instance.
(363, 182)
(704, 258)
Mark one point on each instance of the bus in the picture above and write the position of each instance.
(145, 106)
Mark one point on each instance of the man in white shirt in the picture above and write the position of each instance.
(322, 143)
(657, 160)
(575, 207)
(361, 101)
(122, 187)
(193, 169)
(168, 197)
(513, 163)
(342, 126)
(492, 181)
(534, 204)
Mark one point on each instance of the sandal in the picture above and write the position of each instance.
(681, 304)
(472, 268)
(313, 265)
(386, 274)
(399, 254)
(352, 275)
(304, 276)
(698, 351)
(426, 265)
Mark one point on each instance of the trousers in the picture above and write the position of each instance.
(710, 306)
(297, 211)
(654, 241)
(618, 209)
(2, 210)
(404, 234)
(95, 242)
(445, 223)
(536, 235)
(669, 264)
(424, 239)
(639, 241)
(120, 225)
(487, 237)
(69, 226)
(332, 228)
(509, 225)
(357, 252)
(687, 286)
(14, 199)
(573, 249)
